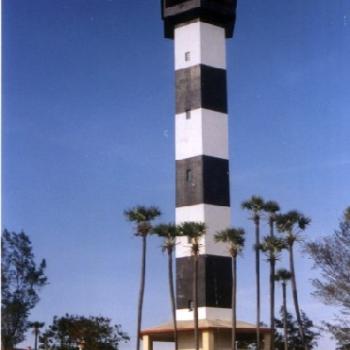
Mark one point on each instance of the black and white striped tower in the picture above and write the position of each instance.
(199, 29)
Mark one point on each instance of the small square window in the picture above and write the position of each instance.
(188, 114)
(187, 56)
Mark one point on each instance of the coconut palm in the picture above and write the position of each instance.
(283, 276)
(272, 247)
(291, 225)
(234, 238)
(271, 208)
(169, 232)
(142, 216)
(36, 326)
(256, 205)
(194, 231)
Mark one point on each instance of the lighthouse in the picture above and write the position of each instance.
(199, 29)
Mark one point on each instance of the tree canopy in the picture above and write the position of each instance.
(294, 341)
(21, 280)
(72, 332)
(332, 256)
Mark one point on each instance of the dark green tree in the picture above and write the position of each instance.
(21, 278)
(255, 205)
(234, 238)
(294, 340)
(72, 332)
(169, 232)
(142, 217)
(194, 231)
(291, 225)
(331, 255)
(36, 326)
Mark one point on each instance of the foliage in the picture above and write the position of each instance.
(234, 237)
(283, 275)
(193, 230)
(332, 256)
(292, 223)
(90, 333)
(294, 341)
(255, 204)
(142, 216)
(168, 232)
(21, 280)
(272, 247)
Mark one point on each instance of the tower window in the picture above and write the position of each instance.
(188, 114)
(187, 56)
(188, 175)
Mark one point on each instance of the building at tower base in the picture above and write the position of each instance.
(214, 335)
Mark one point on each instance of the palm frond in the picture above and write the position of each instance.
(292, 221)
(271, 207)
(283, 275)
(169, 230)
(272, 247)
(234, 237)
(141, 213)
(192, 229)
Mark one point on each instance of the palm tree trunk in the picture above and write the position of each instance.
(142, 290)
(234, 297)
(36, 333)
(285, 315)
(295, 295)
(272, 302)
(172, 293)
(272, 291)
(257, 272)
(195, 302)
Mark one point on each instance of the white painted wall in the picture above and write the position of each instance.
(215, 217)
(204, 133)
(205, 313)
(205, 42)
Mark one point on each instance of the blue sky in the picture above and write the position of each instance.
(88, 104)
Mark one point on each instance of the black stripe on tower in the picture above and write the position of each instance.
(202, 179)
(214, 281)
(201, 86)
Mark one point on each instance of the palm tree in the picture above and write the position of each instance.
(283, 276)
(194, 231)
(234, 237)
(142, 216)
(169, 232)
(291, 224)
(272, 247)
(256, 205)
(271, 208)
(36, 331)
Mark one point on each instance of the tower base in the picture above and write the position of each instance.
(213, 335)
